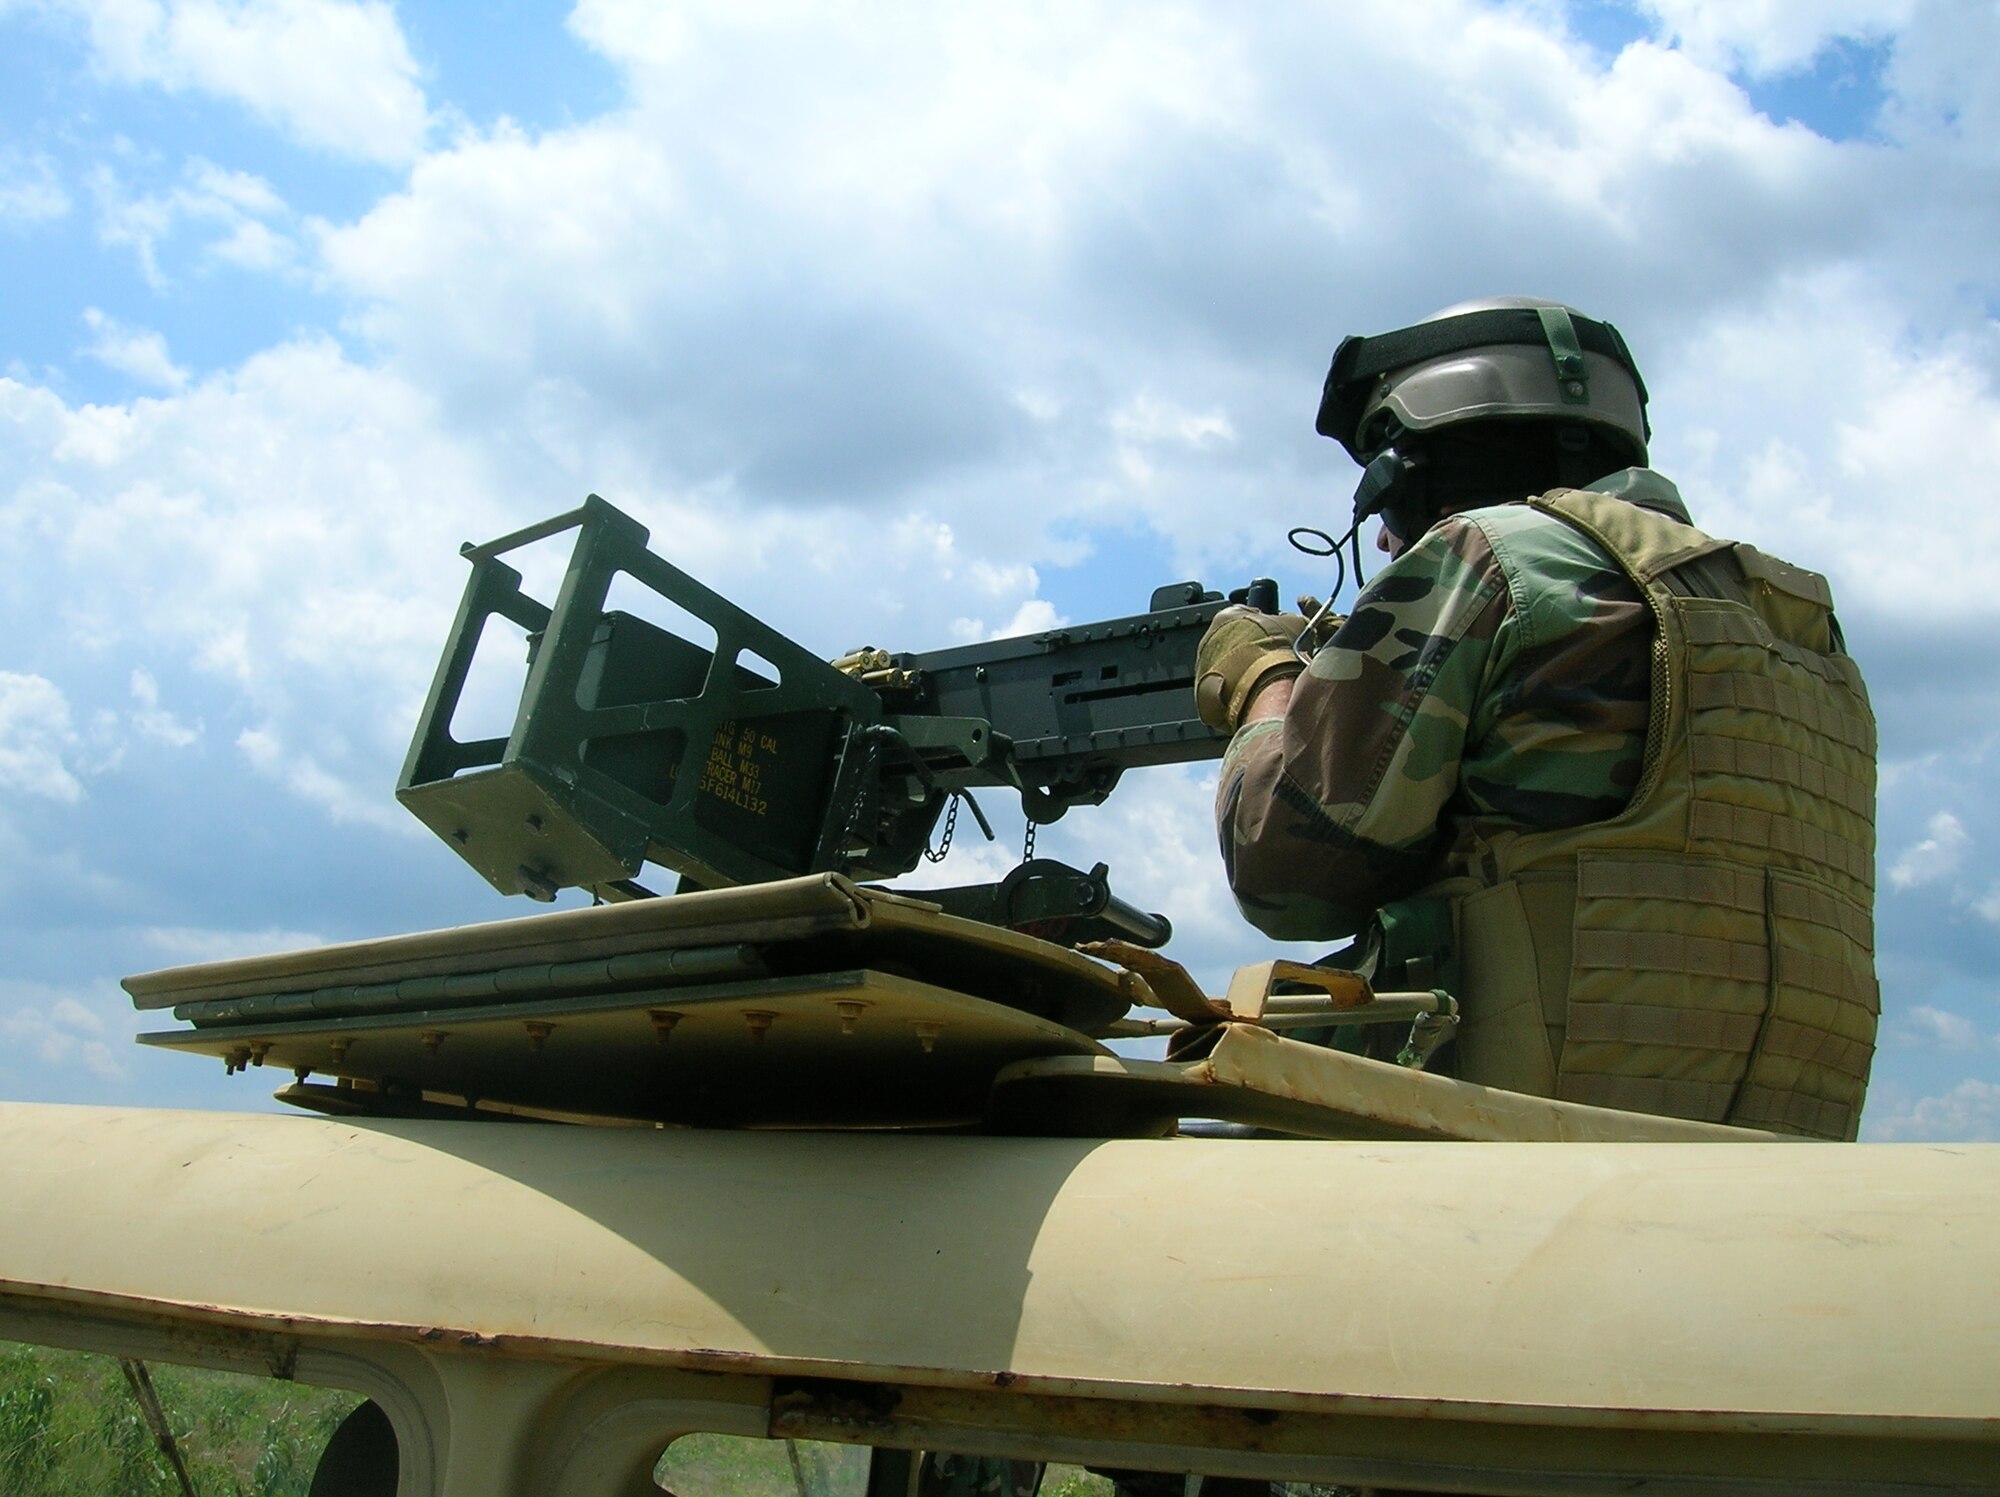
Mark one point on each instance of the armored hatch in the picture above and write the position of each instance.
(816, 1002)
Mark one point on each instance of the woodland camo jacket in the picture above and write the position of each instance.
(1492, 677)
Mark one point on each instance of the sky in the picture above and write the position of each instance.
(909, 325)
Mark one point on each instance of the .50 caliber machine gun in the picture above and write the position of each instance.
(749, 758)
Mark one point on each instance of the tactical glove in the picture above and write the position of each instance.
(1242, 651)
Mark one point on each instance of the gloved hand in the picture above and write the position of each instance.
(1242, 651)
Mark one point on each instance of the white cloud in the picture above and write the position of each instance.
(138, 352)
(155, 723)
(1940, 855)
(1034, 616)
(189, 944)
(35, 737)
(1146, 418)
(843, 294)
(56, 1030)
(30, 190)
(331, 74)
(1772, 36)
(303, 774)
(1940, 78)
(1968, 1112)
(233, 206)
(1809, 407)
(1927, 1027)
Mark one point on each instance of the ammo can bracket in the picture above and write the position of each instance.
(631, 743)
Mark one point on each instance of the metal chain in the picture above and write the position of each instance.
(950, 826)
(1028, 844)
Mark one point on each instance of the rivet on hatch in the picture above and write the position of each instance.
(432, 1038)
(537, 1032)
(664, 1020)
(760, 1021)
(849, 1010)
(928, 1031)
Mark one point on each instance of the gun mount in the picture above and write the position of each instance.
(750, 758)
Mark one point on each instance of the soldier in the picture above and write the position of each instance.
(1608, 779)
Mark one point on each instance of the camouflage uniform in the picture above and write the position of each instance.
(1492, 676)
(1623, 773)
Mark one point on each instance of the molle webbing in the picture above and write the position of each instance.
(1757, 831)
(1748, 693)
(1674, 1097)
(1782, 766)
(1671, 951)
(1786, 1111)
(1721, 939)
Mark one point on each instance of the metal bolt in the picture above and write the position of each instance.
(1576, 387)
(537, 1032)
(340, 1048)
(928, 1031)
(663, 1020)
(534, 823)
(461, 836)
(432, 1038)
(299, 1073)
(258, 1050)
(850, 1010)
(234, 1061)
(760, 1021)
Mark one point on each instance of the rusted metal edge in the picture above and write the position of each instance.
(37, 1299)
(1160, 982)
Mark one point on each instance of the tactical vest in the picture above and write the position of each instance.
(1708, 953)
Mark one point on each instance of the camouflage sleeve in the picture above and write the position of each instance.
(1337, 808)
(1450, 703)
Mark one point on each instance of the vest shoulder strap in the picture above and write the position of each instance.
(1644, 542)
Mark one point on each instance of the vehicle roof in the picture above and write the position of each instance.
(1824, 1283)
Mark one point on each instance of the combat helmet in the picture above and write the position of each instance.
(1503, 358)
(1509, 372)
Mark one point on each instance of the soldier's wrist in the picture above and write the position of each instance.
(1269, 697)
(1276, 668)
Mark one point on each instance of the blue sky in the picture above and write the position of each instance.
(913, 325)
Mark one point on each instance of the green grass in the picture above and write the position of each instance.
(737, 1466)
(70, 1426)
